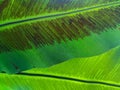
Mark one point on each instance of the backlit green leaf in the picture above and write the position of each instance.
(42, 33)
(93, 73)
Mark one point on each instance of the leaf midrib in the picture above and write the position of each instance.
(70, 79)
(60, 14)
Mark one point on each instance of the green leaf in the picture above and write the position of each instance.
(93, 73)
(42, 33)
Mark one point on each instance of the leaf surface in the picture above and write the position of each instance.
(99, 73)
(42, 33)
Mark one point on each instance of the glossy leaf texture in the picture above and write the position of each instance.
(91, 73)
(42, 33)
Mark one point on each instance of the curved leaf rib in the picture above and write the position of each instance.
(70, 79)
(61, 14)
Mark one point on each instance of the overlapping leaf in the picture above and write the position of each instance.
(42, 33)
(99, 73)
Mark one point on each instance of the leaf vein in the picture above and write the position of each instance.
(71, 79)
